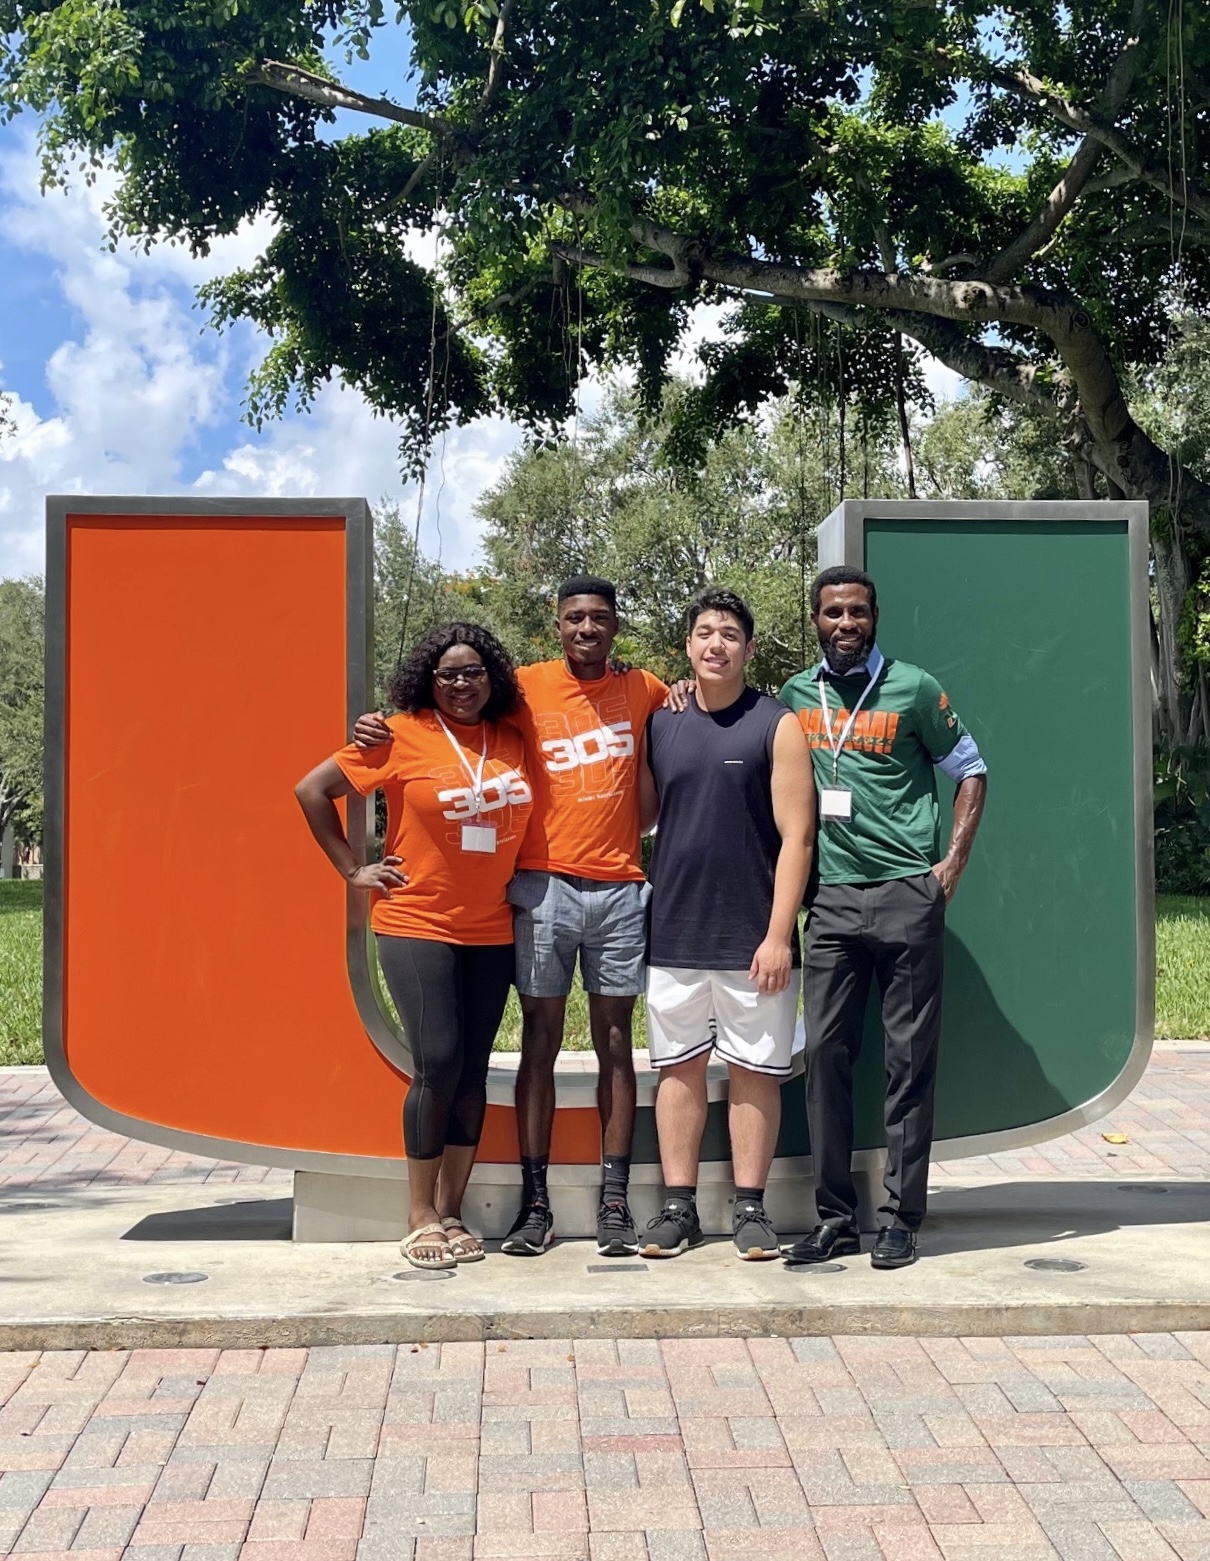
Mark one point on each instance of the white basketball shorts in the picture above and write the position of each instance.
(695, 1011)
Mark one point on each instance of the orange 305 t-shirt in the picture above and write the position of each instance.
(583, 745)
(452, 895)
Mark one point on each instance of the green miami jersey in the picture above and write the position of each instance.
(905, 729)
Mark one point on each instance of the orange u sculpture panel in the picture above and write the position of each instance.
(206, 985)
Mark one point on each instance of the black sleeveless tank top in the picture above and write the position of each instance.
(717, 844)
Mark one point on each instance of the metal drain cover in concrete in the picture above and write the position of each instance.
(183, 1277)
(617, 1268)
(413, 1274)
(816, 1268)
(1055, 1265)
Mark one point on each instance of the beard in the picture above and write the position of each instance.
(842, 660)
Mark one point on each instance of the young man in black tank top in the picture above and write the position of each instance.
(730, 781)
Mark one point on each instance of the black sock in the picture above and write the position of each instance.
(750, 1195)
(617, 1178)
(533, 1179)
(685, 1194)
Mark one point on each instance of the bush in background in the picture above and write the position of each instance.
(1182, 821)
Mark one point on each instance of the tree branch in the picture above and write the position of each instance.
(948, 264)
(496, 71)
(653, 276)
(497, 68)
(1054, 209)
(1112, 179)
(1159, 232)
(297, 82)
(1007, 373)
(1025, 85)
(1092, 393)
(1079, 170)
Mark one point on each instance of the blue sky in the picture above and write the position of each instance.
(120, 389)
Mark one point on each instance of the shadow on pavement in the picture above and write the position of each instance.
(1025, 1213)
(258, 1219)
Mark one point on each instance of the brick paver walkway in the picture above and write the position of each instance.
(44, 1143)
(845, 1449)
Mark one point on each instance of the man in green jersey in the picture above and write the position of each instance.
(878, 729)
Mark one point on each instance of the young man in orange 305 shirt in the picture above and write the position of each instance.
(579, 890)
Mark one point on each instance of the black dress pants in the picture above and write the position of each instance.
(893, 933)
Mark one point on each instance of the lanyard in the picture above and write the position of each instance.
(837, 743)
(474, 776)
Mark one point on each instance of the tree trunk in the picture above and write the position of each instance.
(1172, 582)
(905, 427)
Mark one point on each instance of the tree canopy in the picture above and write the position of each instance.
(1019, 190)
(1016, 189)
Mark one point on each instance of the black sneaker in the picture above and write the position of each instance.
(533, 1231)
(755, 1238)
(616, 1235)
(673, 1230)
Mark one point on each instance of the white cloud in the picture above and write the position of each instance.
(943, 382)
(705, 325)
(138, 384)
(341, 448)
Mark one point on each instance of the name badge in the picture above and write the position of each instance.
(479, 837)
(835, 804)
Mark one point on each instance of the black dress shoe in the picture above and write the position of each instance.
(893, 1248)
(825, 1242)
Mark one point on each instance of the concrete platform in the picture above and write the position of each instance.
(73, 1267)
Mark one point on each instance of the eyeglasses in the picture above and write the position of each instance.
(448, 676)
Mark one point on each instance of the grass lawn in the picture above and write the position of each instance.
(1182, 987)
(1182, 967)
(575, 1030)
(20, 971)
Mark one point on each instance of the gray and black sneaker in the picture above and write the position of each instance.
(674, 1229)
(533, 1231)
(755, 1238)
(616, 1235)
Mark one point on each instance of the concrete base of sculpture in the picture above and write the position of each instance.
(372, 1208)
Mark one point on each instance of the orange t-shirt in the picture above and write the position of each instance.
(452, 895)
(582, 742)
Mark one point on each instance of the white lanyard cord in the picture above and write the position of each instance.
(837, 743)
(474, 776)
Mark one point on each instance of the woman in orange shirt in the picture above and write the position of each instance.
(458, 803)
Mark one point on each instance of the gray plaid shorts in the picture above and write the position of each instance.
(556, 917)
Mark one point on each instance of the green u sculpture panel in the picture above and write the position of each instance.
(1034, 618)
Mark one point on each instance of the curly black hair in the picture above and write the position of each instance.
(411, 685)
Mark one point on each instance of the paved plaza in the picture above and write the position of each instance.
(843, 1448)
(45, 1144)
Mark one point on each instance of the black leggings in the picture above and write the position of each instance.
(450, 998)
